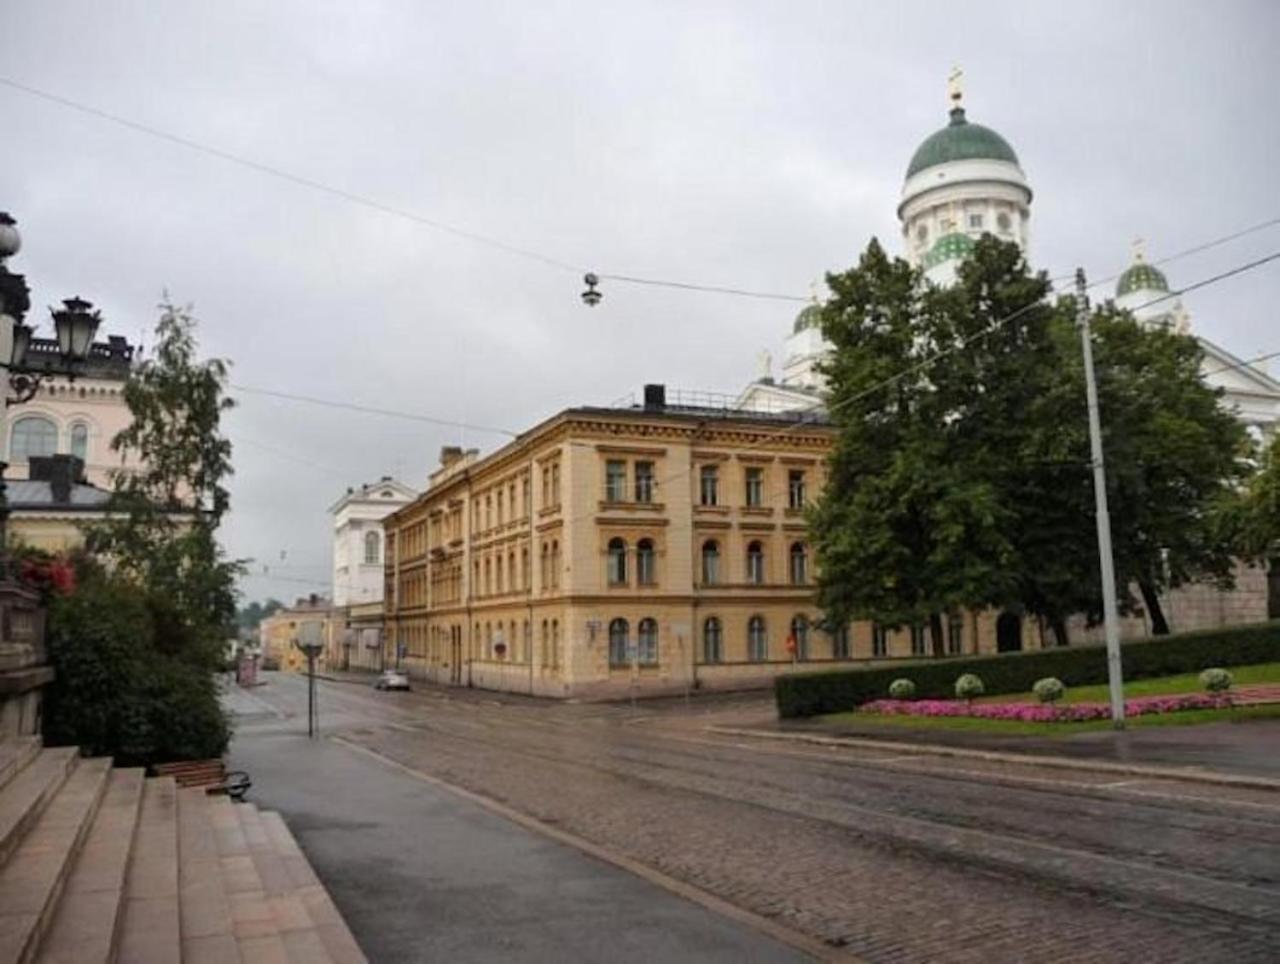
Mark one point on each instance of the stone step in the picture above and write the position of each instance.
(33, 879)
(86, 927)
(15, 753)
(327, 928)
(24, 797)
(204, 908)
(150, 931)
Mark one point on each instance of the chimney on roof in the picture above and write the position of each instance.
(62, 472)
(655, 398)
(450, 454)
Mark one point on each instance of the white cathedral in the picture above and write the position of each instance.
(965, 181)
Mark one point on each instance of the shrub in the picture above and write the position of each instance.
(1216, 680)
(122, 690)
(902, 689)
(1049, 689)
(807, 694)
(969, 686)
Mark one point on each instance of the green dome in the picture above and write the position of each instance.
(960, 141)
(953, 245)
(810, 317)
(1141, 276)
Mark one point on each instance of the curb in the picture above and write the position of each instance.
(1025, 759)
(783, 935)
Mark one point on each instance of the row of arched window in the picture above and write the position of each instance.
(617, 566)
(512, 644)
(757, 570)
(622, 652)
(757, 639)
(37, 435)
(646, 563)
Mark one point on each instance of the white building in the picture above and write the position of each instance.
(358, 539)
(964, 181)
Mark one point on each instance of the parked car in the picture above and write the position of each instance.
(392, 679)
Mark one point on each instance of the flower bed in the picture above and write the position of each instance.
(1040, 713)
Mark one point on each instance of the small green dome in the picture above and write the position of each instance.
(810, 317)
(960, 141)
(954, 245)
(1141, 276)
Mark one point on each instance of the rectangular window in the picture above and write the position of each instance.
(975, 222)
(879, 640)
(917, 641)
(840, 643)
(615, 481)
(795, 489)
(710, 479)
(644, 482)
(555, 484)
(755, 487)
(955, 634)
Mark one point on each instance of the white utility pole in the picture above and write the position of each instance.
(1110, 612)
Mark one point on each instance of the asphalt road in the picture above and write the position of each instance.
(888, 855)
(421, 875)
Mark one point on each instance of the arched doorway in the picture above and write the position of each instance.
(1008, 633)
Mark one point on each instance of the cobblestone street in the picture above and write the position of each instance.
(890, 856)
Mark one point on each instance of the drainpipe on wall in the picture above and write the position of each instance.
(528, 577)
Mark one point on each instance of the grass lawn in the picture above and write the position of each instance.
(1156, 686)
(972, 724)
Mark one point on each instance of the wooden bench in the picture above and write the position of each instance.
(213, 775)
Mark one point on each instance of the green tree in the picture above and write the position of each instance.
(163, 535)
(904, 530)
(1174, 456)
(961, 477)
(1253, 517)
(251, 615)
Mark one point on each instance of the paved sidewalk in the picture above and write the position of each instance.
(421, 875)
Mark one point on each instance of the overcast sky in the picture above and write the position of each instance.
(745, 144)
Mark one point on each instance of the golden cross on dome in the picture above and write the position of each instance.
(954, 90)
(1139, 245)
(813, 293)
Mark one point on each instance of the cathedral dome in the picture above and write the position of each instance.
(1141, 276)
(810, 317)
(953, 246)
(960, 141)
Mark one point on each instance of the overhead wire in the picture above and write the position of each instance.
(370, 410)
(810, 416)
(366, 201)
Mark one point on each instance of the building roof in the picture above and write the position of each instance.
(960, 141)
(110, 359)
(810, 317)
(1141, 276)
(953, 245)
(34, 496)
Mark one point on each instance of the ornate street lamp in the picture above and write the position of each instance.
(74, 326)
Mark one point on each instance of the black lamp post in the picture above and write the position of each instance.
(74, 325)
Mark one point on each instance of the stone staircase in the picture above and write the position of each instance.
(99, 864)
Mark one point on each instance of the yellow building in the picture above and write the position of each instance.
(309, 619)
(660, 547)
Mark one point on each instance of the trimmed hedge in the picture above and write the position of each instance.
(809, 694)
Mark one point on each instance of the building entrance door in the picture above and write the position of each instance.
(1008, 633)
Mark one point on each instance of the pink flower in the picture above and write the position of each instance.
(1040, 713)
